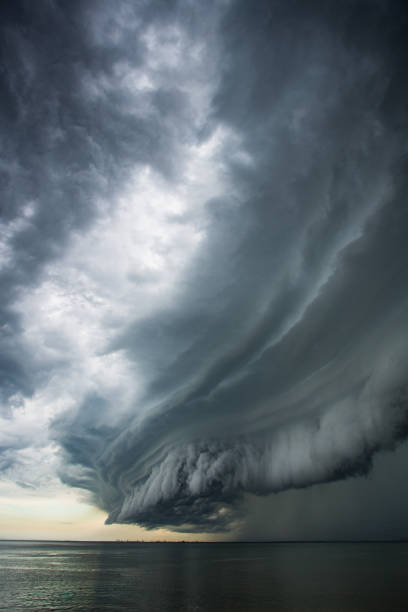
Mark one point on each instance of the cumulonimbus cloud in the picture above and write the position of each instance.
(278, 358)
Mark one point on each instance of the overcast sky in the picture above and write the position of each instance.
(203, 269)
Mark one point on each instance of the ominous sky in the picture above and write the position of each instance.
(203, 265)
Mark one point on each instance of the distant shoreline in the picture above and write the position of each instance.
(400, 541)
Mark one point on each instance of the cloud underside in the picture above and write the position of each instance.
(315, 406)
(249, 337)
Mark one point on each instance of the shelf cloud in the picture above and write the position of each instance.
(203, 250)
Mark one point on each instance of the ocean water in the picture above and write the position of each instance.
(151, 577)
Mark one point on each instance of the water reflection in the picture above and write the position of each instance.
(204, 577)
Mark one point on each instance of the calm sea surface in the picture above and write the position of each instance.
(211, 577)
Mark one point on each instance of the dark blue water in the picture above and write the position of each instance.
(210, 577)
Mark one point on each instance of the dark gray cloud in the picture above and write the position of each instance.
(278, 361)
(372, 507)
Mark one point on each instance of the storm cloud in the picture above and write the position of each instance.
(204, 248)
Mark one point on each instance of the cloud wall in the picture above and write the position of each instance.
(204, 249)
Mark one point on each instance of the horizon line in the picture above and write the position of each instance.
(120, 541)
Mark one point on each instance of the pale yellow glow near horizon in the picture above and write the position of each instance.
(67, 518)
